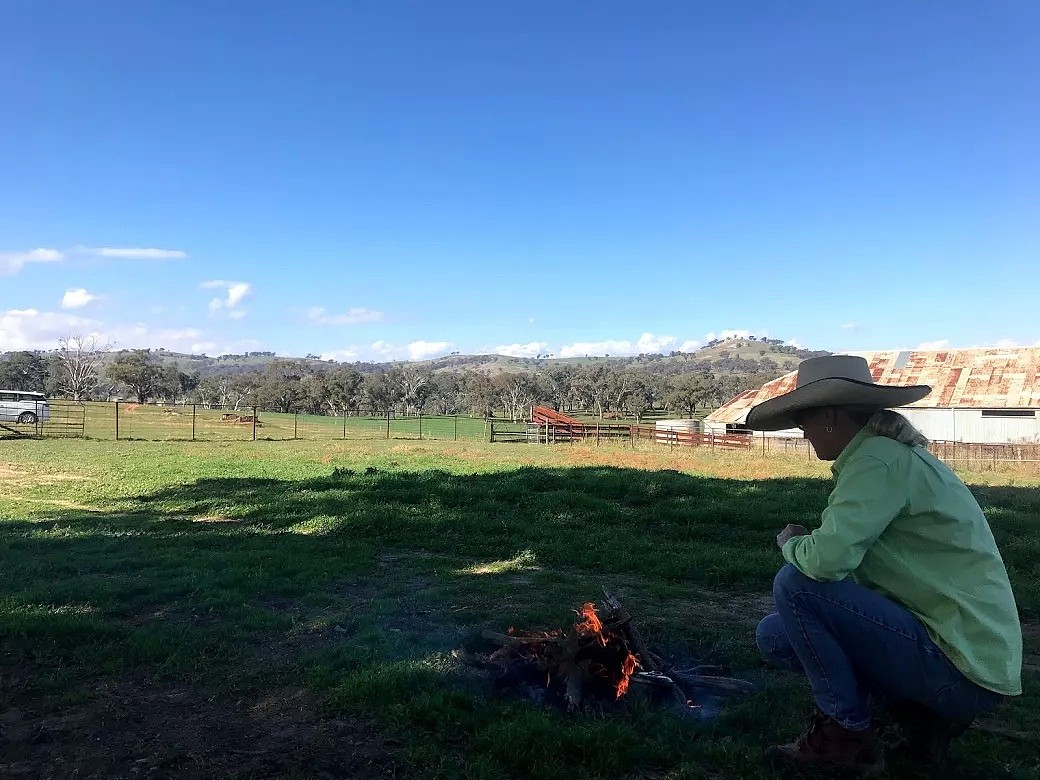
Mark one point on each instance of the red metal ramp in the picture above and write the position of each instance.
(543, 414)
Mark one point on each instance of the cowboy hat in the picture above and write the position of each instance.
(833, 380)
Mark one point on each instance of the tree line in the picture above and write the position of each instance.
(82, 369)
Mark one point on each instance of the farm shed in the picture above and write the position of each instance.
(981, 396)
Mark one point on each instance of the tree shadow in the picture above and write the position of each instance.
(351, 579)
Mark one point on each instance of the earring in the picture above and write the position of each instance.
(829, 429)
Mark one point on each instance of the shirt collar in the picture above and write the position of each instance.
(850, 448)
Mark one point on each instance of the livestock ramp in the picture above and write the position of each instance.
(542, 415)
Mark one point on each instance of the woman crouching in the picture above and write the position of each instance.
(900, 596)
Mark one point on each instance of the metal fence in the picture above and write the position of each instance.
(985, 457)
(197, 422)
(964, 455)
(41, 418)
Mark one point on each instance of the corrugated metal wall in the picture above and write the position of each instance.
(968, 425)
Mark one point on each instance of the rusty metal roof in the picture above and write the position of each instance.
(991, 378)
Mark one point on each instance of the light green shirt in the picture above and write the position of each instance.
(901, 523)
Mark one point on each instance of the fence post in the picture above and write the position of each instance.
(456, 418)
(491, 428)
(254, 423)
(420, 426)
(295, 421)
(597, 434)
(388, 423)
(193, 422)
(117, 420)
(344, 423)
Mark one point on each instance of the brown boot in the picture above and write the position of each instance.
(825, 746)
(927, 735)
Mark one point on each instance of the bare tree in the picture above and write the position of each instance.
(79, 364)
(516, 392)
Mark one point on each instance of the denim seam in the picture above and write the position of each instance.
(816, 660)
(796, 608)
(868, 618)
(942, 691)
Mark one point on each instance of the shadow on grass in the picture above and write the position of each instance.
(218, 579)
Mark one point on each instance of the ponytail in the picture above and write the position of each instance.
(893, 425)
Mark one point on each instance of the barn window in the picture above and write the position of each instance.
(1009, 412)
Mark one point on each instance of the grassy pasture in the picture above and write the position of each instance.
(180, 423)
(288, 608)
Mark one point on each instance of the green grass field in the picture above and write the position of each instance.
(289, 609)
(184, 423)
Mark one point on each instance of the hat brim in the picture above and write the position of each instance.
(775, 414)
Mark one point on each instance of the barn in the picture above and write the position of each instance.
(982, 396)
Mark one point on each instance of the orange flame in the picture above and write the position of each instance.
(590, 624)
(627, 670)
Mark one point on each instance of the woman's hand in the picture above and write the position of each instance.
(790, 532)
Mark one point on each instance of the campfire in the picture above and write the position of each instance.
(600, 661)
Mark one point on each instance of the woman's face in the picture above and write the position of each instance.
(818, 427)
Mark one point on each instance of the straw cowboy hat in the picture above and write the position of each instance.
(834, 380)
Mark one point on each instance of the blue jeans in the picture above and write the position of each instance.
(854, 645)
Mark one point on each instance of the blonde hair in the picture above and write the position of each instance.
(892, 425)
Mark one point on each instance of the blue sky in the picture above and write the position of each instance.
(384, 180)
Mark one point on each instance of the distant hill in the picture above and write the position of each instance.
(729, 356)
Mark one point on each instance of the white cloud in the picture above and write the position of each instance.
(420, 350)
(142, 336)
(689, 346)
(933, 345)
(521, 350)
(582, 348)
(340, 355)
(13, 262)
(850, 326)
(647, 343)
(77, 298)
(33, 329)
(354, 316)
(741, 333)
(237, 294)
(386, 350)
(132, 253)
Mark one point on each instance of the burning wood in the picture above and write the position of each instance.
(595, 662)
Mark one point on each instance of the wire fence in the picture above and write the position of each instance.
(197, 422)
(964, 455)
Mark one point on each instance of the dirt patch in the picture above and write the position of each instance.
(14, 477)
(60, 502)
(210, 519)
(12, 474)
(136, 729)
